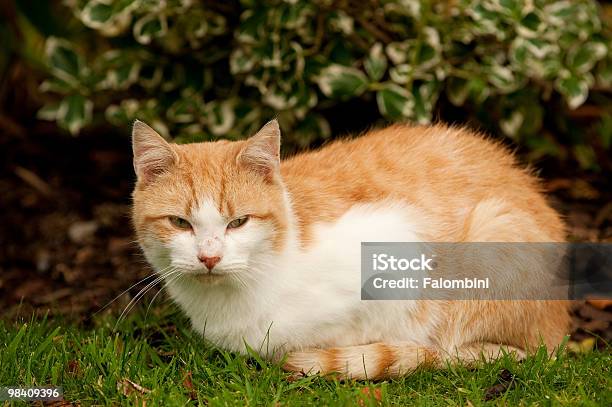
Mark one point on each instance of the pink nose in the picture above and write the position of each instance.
(209, 262)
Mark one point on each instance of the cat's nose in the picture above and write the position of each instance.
(209, 262)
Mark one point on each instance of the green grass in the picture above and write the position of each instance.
(159, 351)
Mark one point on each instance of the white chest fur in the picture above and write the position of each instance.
(311, 298)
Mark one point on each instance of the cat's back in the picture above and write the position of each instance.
(444, 169)
(395, 149)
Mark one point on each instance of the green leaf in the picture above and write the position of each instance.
(399, 52)
(503, 78)
(121, 70)
(560, 12)
(217, 24)
(150, 76)
(485, 21)
(541, 147)
(421, 55)
(63, 60)
(109, 17)
(195, 27)
(376, 62)
(394, 101)
(510, 8)
(479, 90)
(95, 14)
(585, 155)
(604, 73)
(278, 99)
(342, 22)
(74, 113)
(186, 109)
(48, 112)
(313, 127)
(128, 110)
(241, 61)
(575, 90)
(512, 123)
(531, 24)
(582, 58)
(220, 116)
(605, 131)
(426, 57)
(402, 74)
(252, 25)
(343, 82)
(425, 97)
(535, 58)
(56, 85)
(521, 114)
(150, 26)
(457, 90)
(116, 115)
(297, 16)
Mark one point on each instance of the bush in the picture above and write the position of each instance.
(205, 69)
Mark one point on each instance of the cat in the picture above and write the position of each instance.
(267, 253)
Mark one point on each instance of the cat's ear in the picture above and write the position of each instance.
(262, 151)
(152, 154)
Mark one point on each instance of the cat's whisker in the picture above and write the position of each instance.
(141, 293)
(132, 303)
(122, 293)
(137, 298)
(170, 279)
(125, 291)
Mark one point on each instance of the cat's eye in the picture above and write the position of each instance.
(236, 223)
(179, 222)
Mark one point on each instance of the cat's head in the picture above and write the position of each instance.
(209, 209)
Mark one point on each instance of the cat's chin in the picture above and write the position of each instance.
(208, 278)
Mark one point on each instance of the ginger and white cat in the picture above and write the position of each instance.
(267, 253)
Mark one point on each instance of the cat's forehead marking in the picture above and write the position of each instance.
(205, 176)
(207, 216)
(192, 196)
(222, 198)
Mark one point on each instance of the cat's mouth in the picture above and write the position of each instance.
(207, 277)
